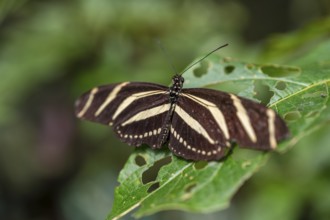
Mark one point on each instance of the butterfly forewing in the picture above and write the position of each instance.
(137, 111)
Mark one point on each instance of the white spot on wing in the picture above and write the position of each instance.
(173, 132)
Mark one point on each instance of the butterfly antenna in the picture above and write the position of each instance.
(201, 59)
(166, 56)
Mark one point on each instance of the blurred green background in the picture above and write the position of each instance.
(53, 166)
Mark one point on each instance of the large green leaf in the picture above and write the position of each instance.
(300, 93)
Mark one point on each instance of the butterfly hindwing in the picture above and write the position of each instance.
(195, 134)
(192, 135)
(137, 111)
(246, 122)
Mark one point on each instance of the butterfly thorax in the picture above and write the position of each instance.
(175, 89)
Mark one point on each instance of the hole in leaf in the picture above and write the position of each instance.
(280, 85)
(151, 174)
(292, 116)
(229, 69)
(140, 161)
(202, 69)
(200, 164)
(153, 187)
(262, 92)
(280, 71)
(190, 187)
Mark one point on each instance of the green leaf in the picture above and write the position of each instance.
(182, 185)
(299, 93)
(288, 46)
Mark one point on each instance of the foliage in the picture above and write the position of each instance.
(299, 93)
(54, 166)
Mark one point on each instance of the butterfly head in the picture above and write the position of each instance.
(177, 83)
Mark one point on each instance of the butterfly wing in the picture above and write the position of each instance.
(194, 133)
(137, 111)
(205, 123)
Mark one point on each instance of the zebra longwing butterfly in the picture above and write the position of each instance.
(197, 123)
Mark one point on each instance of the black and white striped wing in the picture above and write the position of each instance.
(137, 111)
(205, 122)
